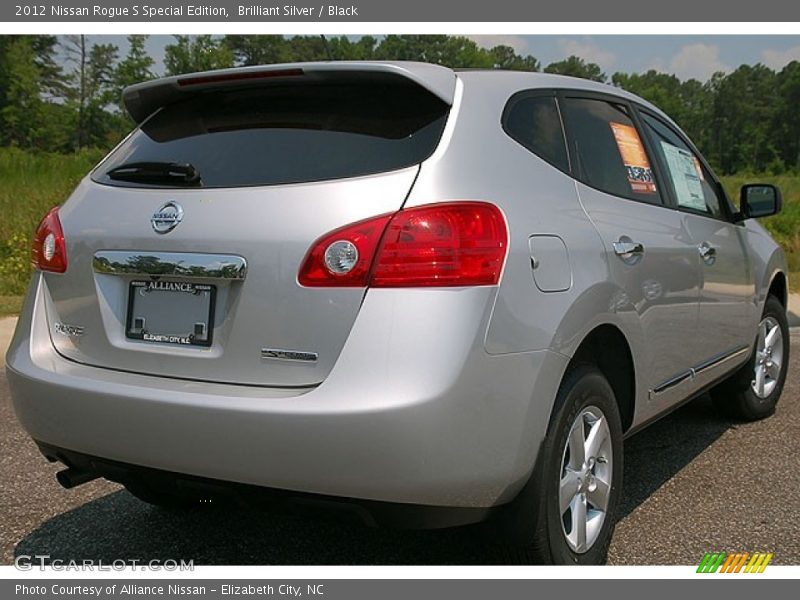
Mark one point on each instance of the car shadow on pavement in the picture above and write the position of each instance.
(120, 527)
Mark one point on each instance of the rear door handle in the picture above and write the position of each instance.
(707, 252)
(629, 251)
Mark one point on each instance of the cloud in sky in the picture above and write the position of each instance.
(588, 51)
(777, 59)
(693, 61)
(518, 42)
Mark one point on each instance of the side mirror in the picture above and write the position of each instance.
(759, 200)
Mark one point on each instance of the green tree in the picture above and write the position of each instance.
(450, 51)
(505, 57)
(741, 117)
(257, 49)
(196, 53)
(787, 116)
(303, 48)
(342, 48)
(137, 66)
(22, 108)
(577, 67)
(91, 90)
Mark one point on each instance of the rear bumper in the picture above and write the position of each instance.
(411, 413)
(369, 512)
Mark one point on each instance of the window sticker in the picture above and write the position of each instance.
(686, 177)
(699, 168)
(640, 175)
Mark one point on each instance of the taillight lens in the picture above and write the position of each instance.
(49, 252)
(321, 269)
(448, 244)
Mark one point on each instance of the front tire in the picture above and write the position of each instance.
(752, 392)
(565, 515)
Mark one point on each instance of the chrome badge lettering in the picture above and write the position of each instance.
(167, 218)
(280, 354)
(68, 330)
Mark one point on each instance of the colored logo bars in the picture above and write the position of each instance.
(734, 562)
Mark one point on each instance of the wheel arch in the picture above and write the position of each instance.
(606, 347)
(779, 287)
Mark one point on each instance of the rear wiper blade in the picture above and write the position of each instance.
(171, 173)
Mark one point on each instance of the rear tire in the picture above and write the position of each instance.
(752, 392)
(565, 514)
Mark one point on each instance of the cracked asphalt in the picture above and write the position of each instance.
(694, 482)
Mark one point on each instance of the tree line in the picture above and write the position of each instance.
(64, 93)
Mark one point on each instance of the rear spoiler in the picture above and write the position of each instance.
(143, 99)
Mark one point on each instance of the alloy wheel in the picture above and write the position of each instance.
(586, 475)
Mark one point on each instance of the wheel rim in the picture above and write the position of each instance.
(769, 358)
(585, 485)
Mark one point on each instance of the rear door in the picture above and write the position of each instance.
(651, 258)
(727, 310)
(184, 244)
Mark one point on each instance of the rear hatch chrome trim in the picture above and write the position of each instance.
(170, 264)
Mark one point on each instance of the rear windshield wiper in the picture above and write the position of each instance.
(171, 173)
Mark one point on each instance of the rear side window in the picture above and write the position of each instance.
(534, 122)
(606, 150)
(266, 136)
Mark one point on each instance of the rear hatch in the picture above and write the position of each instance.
(184, 244)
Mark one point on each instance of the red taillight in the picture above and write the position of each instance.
(449, 244)
(363, 236)
(49, 252)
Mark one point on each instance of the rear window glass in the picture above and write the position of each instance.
(267, 136)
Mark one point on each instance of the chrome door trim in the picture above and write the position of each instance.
(671, 383)
(701, 369)
(720, 359)
(190, 265)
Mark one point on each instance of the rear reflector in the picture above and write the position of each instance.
(436, 245)
(49, 251)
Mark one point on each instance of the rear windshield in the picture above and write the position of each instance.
(268, 136)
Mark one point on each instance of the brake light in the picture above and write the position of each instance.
(49, 252)
(240, 76)
(448, 244)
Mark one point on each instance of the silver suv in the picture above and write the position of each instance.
(432, 297)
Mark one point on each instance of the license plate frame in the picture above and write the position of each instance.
(173, 291)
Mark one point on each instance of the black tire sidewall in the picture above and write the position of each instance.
(762, 407)
(585, 386)
(735, 397)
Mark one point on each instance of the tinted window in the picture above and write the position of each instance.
(689, 180)
(534, 122)
(286, 135)
(606, 150)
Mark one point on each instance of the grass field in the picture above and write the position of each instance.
(31, 183)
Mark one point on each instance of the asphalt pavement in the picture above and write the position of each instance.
(694, 482)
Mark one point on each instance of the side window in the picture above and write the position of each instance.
(606, 150)
(689, 180)
(534, 122)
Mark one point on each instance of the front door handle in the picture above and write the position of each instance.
(629, 251)
(707, 252)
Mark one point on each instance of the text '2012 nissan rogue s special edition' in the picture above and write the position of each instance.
(434, 297)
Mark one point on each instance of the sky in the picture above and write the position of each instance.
(687, 56)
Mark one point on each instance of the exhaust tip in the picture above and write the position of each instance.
(70, 478)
